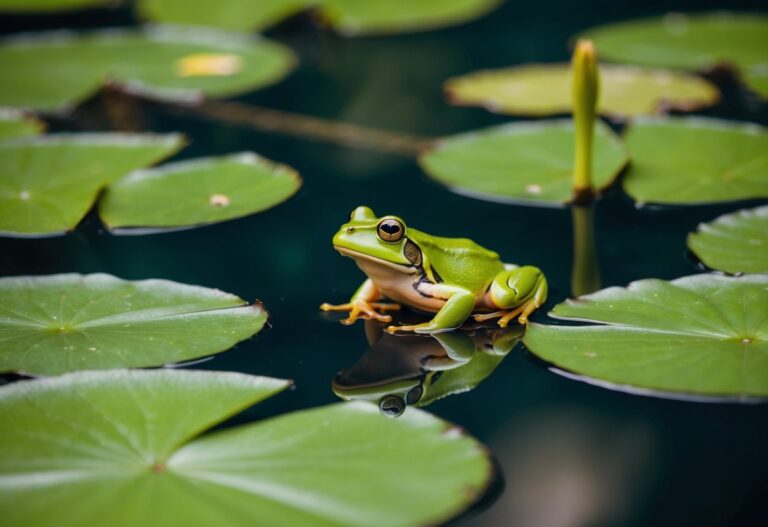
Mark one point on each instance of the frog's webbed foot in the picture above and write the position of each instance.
(522, 312)
(362, 309)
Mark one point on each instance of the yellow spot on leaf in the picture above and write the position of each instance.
(218, 200)
(208, 65)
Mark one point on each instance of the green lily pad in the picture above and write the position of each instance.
(50, 71)
(757, 79)
(529, 162)
(61, 323)
(122, 448)
(50, 182)
(545, 89)
(704, 334)
(197, 192)
(700, 41)
(46, 6)
(735, 243)
(696, 160)
(349, 17)
(237, 15)
(352, 17)
(14, 123)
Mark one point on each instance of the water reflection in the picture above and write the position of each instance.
(585, 275)
(416, 370)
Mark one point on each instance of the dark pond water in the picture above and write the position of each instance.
(571, 454)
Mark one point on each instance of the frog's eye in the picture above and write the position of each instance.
(390, 230)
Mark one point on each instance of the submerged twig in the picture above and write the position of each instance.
(326, 130)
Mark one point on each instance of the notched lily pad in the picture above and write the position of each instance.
(703, 334)
(699, 41)
(696, 160)
(545, 89)
(15, 123)
(123, 448)
(50, 182)
(530, 162)
(735, 243)
(51, 71)
(197, 192)
(61, 323)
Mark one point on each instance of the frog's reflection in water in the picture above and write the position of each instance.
(415, 370)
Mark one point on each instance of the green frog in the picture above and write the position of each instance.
(451, 277)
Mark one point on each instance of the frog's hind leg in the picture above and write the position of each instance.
(517, 292)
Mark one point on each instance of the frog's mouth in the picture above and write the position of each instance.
(403, 268)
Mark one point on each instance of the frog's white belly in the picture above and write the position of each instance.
(397, 282)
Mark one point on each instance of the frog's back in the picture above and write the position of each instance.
(459, 261)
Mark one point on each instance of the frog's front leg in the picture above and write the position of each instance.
(458, 306)
(363, 305)
(516, 292)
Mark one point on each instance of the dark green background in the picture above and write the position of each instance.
(571, 454)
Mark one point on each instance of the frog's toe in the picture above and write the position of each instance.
(325, 306)
(385, 306)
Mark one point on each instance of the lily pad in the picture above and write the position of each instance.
(46, 6)
(352, 17)
(545, 89)
(50, 71)
(696, 160)
(197, 192)
(349, 17)
(529, 162)
(61, 323)
(700, 41)
(756, 78)
(701, 334)
(735, 243)
(50, 182)
(237, 15)
(14, 123)
(122, 448)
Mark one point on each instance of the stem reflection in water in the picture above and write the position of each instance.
(585, 276)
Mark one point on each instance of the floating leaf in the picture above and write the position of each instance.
(14, 123)
(238, 15)
(48, 71)
(48, 183)
(699, 41)
(735, 243)
(60, 323)
(121, 448)
(528, 162)
(703, 334)
(46, 6)
(545, 89)
(197, 192)
(353, 17)
(695, 160)
(757, 79)
(350, 17)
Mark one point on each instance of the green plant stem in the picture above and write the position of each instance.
(585, 93)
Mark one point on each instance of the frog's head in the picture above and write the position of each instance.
(382, 239)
